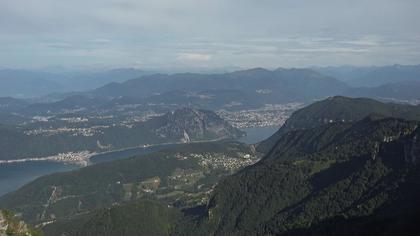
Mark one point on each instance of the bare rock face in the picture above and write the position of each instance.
(3, 224)
(412, 148)
(9, 225)
(188, 125)
(402, 148)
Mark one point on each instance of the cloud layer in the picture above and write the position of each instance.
(208, 33)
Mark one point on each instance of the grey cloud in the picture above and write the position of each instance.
(242, 33)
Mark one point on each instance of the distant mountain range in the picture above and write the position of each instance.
(373, 76)
(407, 91)
(265, 86)
(9, 104)
(239, 90)
(8, 108)
(272, 86)
(398, 83)
(34, 83)
(23, 84)
(248, 89)
(234, 91)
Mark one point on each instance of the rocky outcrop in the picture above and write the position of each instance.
(9, 225)
(3, 224)
(188, 125)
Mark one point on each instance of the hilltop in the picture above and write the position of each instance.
(339, 109)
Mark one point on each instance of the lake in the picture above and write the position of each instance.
(255, 135)
(13, 176)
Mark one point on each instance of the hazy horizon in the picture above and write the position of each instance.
(207, 35)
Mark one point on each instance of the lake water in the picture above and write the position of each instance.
(255, 135)
(110, 156)
(13, 176)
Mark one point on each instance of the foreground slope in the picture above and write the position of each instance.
(139, 218)
(348, 171)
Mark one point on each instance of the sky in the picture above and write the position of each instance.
(208, 33)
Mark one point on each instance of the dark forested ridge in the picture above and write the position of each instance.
(339, 109)
(365, 172)
(145, 217)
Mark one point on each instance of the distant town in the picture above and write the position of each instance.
(269, 115)
(76, 158)
(93, 126)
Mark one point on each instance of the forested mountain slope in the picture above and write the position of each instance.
(359, 171)
(339, 109)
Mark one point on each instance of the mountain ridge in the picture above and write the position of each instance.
(339, 109)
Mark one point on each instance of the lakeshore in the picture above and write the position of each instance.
(16, 173)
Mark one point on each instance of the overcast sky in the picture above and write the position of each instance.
(208, 33)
